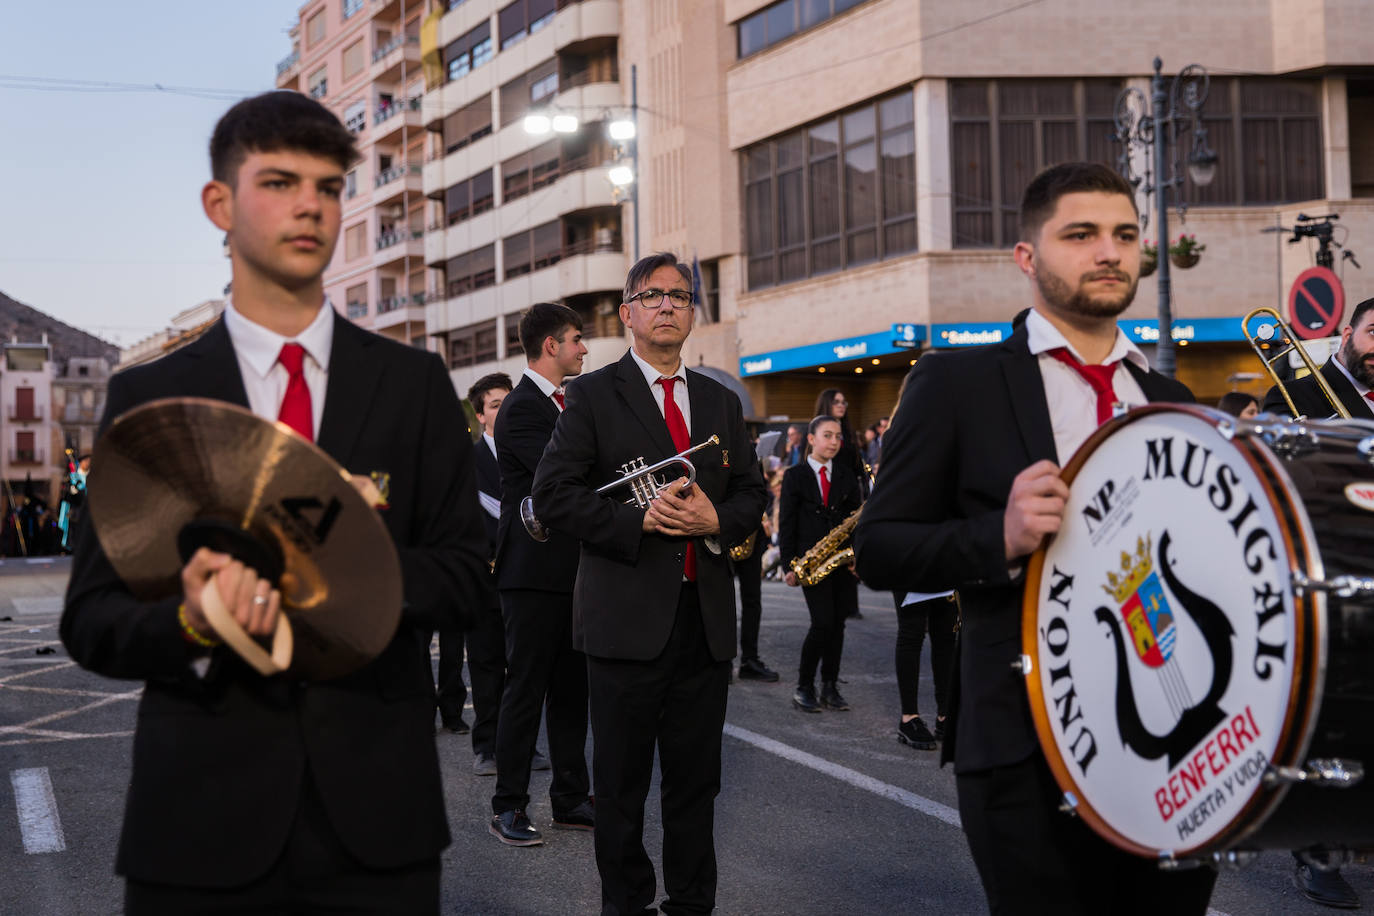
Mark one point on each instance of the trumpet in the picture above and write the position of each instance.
(1275, 333)
(643, 481)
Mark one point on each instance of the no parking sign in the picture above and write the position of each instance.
(1316, 303)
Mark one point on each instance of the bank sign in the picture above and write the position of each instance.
(898, 339)
(1139, 330)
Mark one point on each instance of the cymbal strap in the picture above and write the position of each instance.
(237, 638)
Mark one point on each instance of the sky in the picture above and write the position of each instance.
(100, 217)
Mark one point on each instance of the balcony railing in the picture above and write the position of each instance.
(350, 7)
(289, 61)
(392, 303)
(357, 310)
(29, 415)
(320, 89)
(396, 172)
(386, 111)
(397, 236)
(24, 456)
(393, 44)
(593, 246)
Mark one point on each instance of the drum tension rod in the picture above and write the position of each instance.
(1230, 859)
(1023, 664)
(1328, 772)
(1340, 586)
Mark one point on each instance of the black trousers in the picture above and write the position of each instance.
(677, 702)
(450, 691)
(829, 603)
(1033, 859)
(939, 615)
(543, 670)
(750, 575)
(314, 875)
(486, 644)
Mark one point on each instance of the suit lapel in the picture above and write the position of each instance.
(353, 381)
(629, 382)
(1356, 405)
(210, 368)
(1026, 390)
(697, 399)
(1152, 384)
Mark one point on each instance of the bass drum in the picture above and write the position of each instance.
(1199, 637)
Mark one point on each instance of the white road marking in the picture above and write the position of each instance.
(44, 604)
(30, 726)
(37, 809)
(858, 780)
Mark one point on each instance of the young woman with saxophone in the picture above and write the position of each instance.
(818, 496)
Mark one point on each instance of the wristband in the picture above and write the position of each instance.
(190, 633)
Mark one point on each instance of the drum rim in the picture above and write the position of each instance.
(1296, 530)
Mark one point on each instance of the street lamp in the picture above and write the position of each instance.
(1154, 126)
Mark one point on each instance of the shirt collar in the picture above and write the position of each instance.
(1042, 336)
(259, 347)
(652, 375)
(1360, 388)
(817, 465)
(546, 386)
(491, 443)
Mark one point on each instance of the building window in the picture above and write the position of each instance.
(351, 184)
(318, 83)
(533, 249)
(513, 345)
(473, 344)
(353, 60)
(468, 198)
(355, 117)
(467, 125)
(355, 241)
(1267, 134)
(530, 171)
(355, 298)
(784, 19)
(1003, 132)
(833, 195)
(469, 271)
(314, 29)
(709, 278)
(517, 95)
(523, 18)
(350, 7)
(468, 52)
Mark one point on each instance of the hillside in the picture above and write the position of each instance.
(29, 325)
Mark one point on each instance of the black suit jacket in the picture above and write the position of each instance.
(802, 518)
(627, 581)
(218, 762)
(523, 428)
(489, 482)
(1312, 403)
(934, 521)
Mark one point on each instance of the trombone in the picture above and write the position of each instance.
(643, 481)
(1275, 333)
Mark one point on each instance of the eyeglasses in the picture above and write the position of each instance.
(653, 298)
(840, 401)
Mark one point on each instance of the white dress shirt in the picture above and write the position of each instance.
(264, 377)
(490, 503)
(1071, 400)
(545, 386)
(1360, 387)
(816, 473)
(651, 377)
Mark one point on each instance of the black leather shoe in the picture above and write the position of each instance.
(915, 734)
(804, 698)
(830, 697)
(540, 762)
(457, 726)
(1325, 887)
(753, 669)
(583, 817)
(940, 728)
(484, 765)
(514, 829)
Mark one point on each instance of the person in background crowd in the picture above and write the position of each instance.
(874, 450)
(791, 449)
(1239, 404)
(817, 495)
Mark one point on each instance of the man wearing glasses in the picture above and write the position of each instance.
(654, 604)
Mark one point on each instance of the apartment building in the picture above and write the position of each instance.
(29, 446)
(361, 58)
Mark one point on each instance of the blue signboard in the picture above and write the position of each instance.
(969, 334)
(819, 354)
(1140, 331)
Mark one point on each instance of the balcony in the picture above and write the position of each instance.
(387, 60)
(392, 183)
(289, 70)
(397, 310)
(25, 415)
(385, 122)
(25, 458)
(395, 246)
(356, 311)
(319, 90)
(589, 19)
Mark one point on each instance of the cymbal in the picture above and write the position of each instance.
(178, 473)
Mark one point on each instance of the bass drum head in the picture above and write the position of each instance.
(1167, 650)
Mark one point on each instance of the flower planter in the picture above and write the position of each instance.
(1148, 266)
(1183, 261)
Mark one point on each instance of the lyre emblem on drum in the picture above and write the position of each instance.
(1150, 621)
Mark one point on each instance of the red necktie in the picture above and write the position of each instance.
(1099, 377)
(825, 488)
(296, 411)
(559, 399)
(1369, 395)
(682, 440)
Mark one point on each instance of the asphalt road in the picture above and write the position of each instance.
(819, 814)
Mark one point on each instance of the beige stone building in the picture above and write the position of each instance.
(847, 172)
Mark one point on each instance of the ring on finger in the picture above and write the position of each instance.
(259, 600)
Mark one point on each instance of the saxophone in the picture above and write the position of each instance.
(744, 549)
(829, 554)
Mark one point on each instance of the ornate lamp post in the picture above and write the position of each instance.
(1154, 126)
